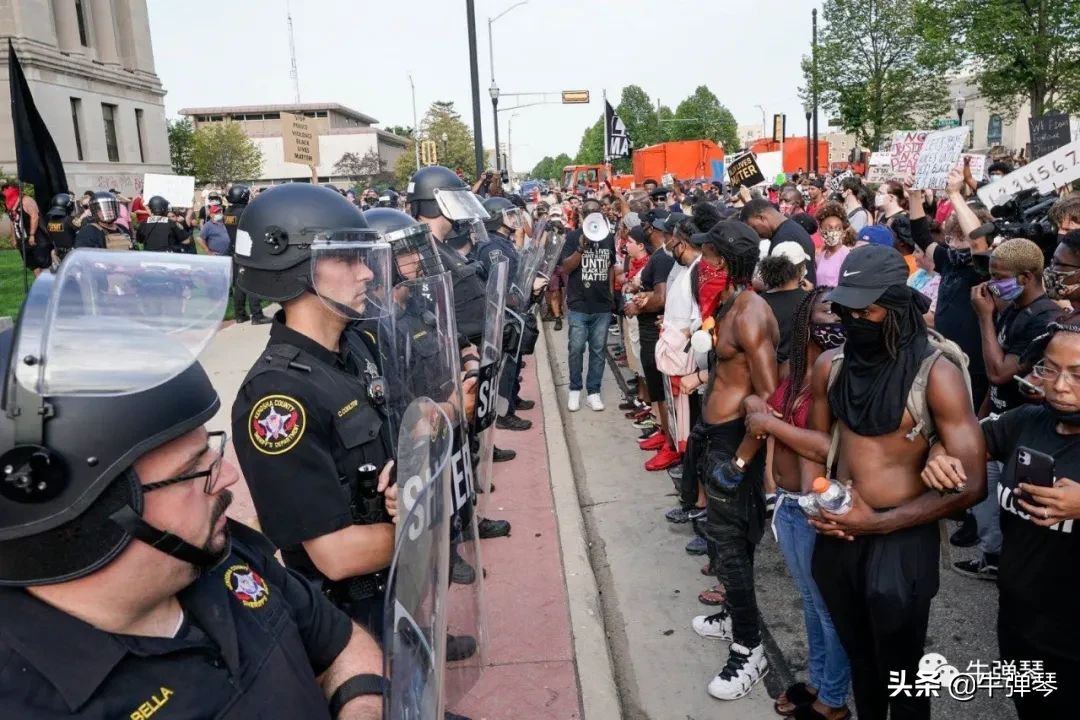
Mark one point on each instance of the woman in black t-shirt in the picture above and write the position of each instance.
(1037, 577)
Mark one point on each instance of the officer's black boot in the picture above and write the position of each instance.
(241, 317)
(513, 422)
(460, 571)
(454, 716)
(500, 455)
(260, 319)
(493, 528)
(524, 404)
(459, 647)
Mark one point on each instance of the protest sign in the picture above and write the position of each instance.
(978, 165)
(938, 156)
(1048, 133)
(179, 190)
(879, 169)
(904, 155)
(744, 170)
(1046, 173)
(668, 180)
(300, 140)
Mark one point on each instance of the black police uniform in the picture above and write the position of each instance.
(159, 234)
(62, 229)
(494, 250)
(469, 289)
(231, 221)
(253, 637)
(92, 235)
(304, 422)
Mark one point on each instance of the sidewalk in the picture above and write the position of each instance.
(531, 673)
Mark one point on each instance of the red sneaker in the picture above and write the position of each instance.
(653, 442)
(664, 459)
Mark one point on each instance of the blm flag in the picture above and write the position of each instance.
(619, 143)
(35, 152)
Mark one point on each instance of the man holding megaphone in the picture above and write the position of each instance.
(589, 261)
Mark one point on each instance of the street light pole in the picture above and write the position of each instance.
(764, 126)
(510, 146)
(416, 127)
(494, 89)
(815, 89)
(478, 139)
(960, 102)
(806, 109)
(494, 92)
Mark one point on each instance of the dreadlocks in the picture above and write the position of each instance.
(892, 333)
(800, 348)
(740, 256)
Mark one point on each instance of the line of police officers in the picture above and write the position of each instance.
(313, 437)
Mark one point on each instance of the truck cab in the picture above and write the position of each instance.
(590, 176)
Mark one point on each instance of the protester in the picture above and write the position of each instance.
(770, 224)
(892, 204)
(782, 274)
(877, 565)
(637, 255)
(1062, 276)
(791, 201)
(837, 237)
(36, 247)
(851, 189)
(926, 280)
(816, 193)
(1037, 576)
(214, 237)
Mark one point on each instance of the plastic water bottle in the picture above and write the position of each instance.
(809, 505)
(831, 496)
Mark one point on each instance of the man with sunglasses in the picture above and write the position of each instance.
(124, 589)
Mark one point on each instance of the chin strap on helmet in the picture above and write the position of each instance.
(133, 524)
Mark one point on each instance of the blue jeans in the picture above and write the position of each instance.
(592, 329)
(986, 512)
(830, 672)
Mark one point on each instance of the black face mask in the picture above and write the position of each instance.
(866, 335)
(828, 336)
(959, 257)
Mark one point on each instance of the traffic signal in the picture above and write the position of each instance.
(429, 154)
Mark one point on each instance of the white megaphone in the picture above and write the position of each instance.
(595, 227)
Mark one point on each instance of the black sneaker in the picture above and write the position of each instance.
(984, 568)
(522, 365)
(513, 422)
(628, 404)
(461, 572)
(967, 535)
(558, 323)
(261, 319)
(489, 529)
(500, 455)
(459, 647)
(453, 716)
(241, 318)
(526, 404)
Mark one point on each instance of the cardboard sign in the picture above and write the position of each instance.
(179, 190)
(668, 180)
(300, 140)
(1048, 172)
(939, 154)
(904, 155)
(978, 165)
(1048, 133)
(880, 168)
(744, 170)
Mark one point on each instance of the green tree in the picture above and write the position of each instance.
(223, 153)
(591, 148)
(457, 151)
(876, 71)
(1019, 50)
(400, 130)
(367, 170)
(638, 113)
(542, 169)
(702, 116)
(181, 145)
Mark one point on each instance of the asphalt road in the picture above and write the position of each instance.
(649, 586)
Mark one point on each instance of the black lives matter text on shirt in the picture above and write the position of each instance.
(587, 288)
(655, 272)
(1037, 575)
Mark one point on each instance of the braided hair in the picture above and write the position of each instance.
(800, 348)
(740, 256)
(891, 328)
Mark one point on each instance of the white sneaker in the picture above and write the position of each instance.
(574, 401)
(594, 402)
(716, 626)
(744, 669)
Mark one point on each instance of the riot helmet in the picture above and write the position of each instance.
(94, 381)
(503, 212)
(62, 202)
(104, 207)
(413, 247)
(298, 238)
(239, 195)
(159, 206)
(437, 192)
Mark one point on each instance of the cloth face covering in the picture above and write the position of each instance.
(870, 393)
(828, 336)
(832, 238)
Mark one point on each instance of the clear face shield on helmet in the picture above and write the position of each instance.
(105, 210)
(415, 254)
(466, 214)
(513, 218)
(350, 272)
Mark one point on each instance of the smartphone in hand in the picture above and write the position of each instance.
(1034, 468)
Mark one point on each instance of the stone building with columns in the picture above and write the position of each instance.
(90, 66)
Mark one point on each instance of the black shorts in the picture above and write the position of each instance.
(38, 256)
(654, 379)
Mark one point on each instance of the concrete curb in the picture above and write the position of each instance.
(596, 676)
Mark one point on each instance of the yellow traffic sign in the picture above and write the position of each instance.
(575, 97)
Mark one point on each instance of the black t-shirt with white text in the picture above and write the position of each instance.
(1037, 576)
(1017, 327)
(655, 272)
(587, 288)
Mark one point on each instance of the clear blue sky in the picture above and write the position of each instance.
(360, 54)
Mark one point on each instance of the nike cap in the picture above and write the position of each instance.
(866, 274)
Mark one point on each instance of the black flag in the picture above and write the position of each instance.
(619, 143)
(36, 155)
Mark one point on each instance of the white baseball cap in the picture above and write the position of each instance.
(792, 251)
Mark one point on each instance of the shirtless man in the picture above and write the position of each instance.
(732, 469)
(877, 565)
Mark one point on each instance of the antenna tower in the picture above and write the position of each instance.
(293, 75)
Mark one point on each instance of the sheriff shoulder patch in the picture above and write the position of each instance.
(276, 424)
(247, 585)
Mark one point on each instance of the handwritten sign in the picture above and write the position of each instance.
(744, 170)
(978, 165)
(300, 140)
(1060, 167)
(879, 169)
(179, 190)
(938, 156)
(1048, 133)
(904, 155)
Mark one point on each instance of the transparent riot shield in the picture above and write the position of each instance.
(418, 340)
(552, 252)
(491, 364)
(414, 636)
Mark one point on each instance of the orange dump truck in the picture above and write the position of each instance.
(686, 160)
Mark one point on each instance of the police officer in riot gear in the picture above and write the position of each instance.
(62, 225)
(102, 232)
(239, 196)
(309, 420)
(124, 589)
(158, 233)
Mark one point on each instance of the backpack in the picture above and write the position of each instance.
(916, 404)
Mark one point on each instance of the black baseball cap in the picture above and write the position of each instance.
(638, 233)
(819, 183)
(866, 274)
(660, 191)
(725, 231)
(652, 216)
(672, 220)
